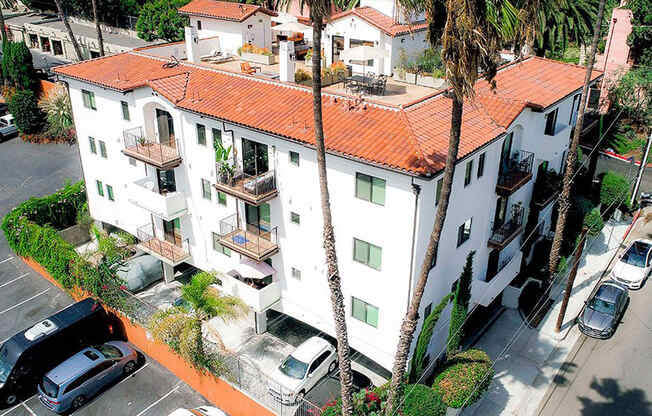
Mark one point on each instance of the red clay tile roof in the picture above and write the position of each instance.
(413, 138)
(381, 21)
(224, 10)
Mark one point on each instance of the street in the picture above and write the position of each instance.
(610, 377)
(25, 297)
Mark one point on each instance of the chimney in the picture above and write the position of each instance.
(286, 57)
(192, 44)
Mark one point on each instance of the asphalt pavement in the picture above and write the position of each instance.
(28, 170)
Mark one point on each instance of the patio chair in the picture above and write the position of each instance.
(379, 85)
(245, 68)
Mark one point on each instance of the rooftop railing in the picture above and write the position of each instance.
(148, 150)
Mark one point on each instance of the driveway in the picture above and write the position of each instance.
(25, 298)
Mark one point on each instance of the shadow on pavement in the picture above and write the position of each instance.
(618, 401)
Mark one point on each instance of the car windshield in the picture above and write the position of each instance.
(294, 368)
(109, 351)
(636, 254)
(49, 387)
(602, 306)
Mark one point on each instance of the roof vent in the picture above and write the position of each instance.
(44, 327)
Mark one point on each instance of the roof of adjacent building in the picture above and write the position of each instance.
(382, 21)
(411, 138)
(224, 10)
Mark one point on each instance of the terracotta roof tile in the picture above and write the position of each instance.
(381, 21)
(224, 10)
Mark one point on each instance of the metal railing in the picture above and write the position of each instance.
(505, 231)
(516, 168)
(257, 239)
(147, 237)
(235, 178)
(135, 141)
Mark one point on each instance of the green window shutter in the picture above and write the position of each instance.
(265, 217)
(378, 191)
(92, 96)
(100, 188)
(221, 198)
(125, 110)
(91, 141)
(294, 158)
(372, 316)
(375, 256)
(109, 191)
(363, 186)
(360, 251)
(358, 309)
(201, 134)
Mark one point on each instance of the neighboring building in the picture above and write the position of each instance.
(46, 33)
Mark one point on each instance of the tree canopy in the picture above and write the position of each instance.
(111, 12)
(640, 40)
(159, 19)
(17, 66)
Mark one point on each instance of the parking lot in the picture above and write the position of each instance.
(26, 298)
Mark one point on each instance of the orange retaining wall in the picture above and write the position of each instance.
(217, 391)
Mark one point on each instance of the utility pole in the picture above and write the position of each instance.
(571, 279)
(641, 169)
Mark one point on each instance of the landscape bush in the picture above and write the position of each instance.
(466, 376)
(23, 105)
(614, 191)
(421, 400)
(593, 221)
(17, 66)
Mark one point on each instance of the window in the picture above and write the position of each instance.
(296, 273)
(132, 161)
(295, 218)
(370, 188)
(464, 232)
(89, 99)
(217, 136)
(364, 312)
(102, 149)
(109, 192)
(574, 107)
(469, 171)
(294, 158)
(551, 122)
(91, 141)
(206, 189)
(125, 110)
(100, 188)
(366, 253)
(318, 361)
(440, 183)
(221, 198)
(219, 247)
(481, 165)
(201, 134)
(198, 24)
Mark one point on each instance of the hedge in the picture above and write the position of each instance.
(593, 221)
(614, 190)
(29, 118)
(466, 376)
(421, 400)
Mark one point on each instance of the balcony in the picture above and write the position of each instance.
(164, 250)
(257, 297)
(166, 205)
(253, 189)
(484, 292)
(546, 188)
(257, 243)
(516, 173)
(148, 150)
(503, 234)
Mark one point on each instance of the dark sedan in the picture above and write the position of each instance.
(603, 310)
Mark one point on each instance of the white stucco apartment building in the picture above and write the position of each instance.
(147, 126)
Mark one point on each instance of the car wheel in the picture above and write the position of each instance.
(332, 367)
(10, 399)
(78, 402)
(129, 368)
(300, 396)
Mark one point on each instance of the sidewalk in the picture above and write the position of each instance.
(525, 370)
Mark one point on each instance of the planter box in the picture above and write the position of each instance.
(428, 81)
(258, 59)
(406, 77)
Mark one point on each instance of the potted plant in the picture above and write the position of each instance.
(225, 169)
(256, 54)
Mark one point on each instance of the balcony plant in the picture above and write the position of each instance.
(225, 170)
(256, 54)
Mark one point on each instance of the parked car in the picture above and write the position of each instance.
(28, 355)
(302, 369)
(199, 411)
(634, 266)
(603, 310)
(7, 126)
(141, 272)
(70, 384)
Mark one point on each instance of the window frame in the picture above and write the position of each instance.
(551, 115)
(93, 145)
(368, 254)
(221, 198)
(126, 116)
(100, 187)
(217, 135)
(109, 193)
(295, 218)
(199, 24)
(218, 247)
(133, 162)
(298, 158)
(201, 134)
(206, 190)
(371, 188)
(103, 151)
(88, 98)
(366, 306)
(468, 173)
(438, 187)
(295, 273)
(481, 162)
(462, 235)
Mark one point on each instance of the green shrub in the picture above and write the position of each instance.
(460, 306)
(593, 220)
(159, 19)
(614, 190)
(17, 66)
(422, 400)
(466, 376)
(419, 362)
(24, 107)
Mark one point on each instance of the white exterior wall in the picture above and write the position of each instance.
(410, 45)
(234, 34)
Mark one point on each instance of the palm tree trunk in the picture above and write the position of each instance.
(337, 299)
(100, 40)
(409, 324)
(64, 19)
(572, 152)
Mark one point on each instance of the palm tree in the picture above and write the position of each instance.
(470, 41)
(562, 20)
(100, 39)
(572, 151)
(71, 35)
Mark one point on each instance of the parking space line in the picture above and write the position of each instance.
(11, 281)
(18, 405)
(28, 409)
(175, 388)
(23, 302)
(4, 261)
(132, 374)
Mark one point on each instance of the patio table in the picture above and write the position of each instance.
(362, 80)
